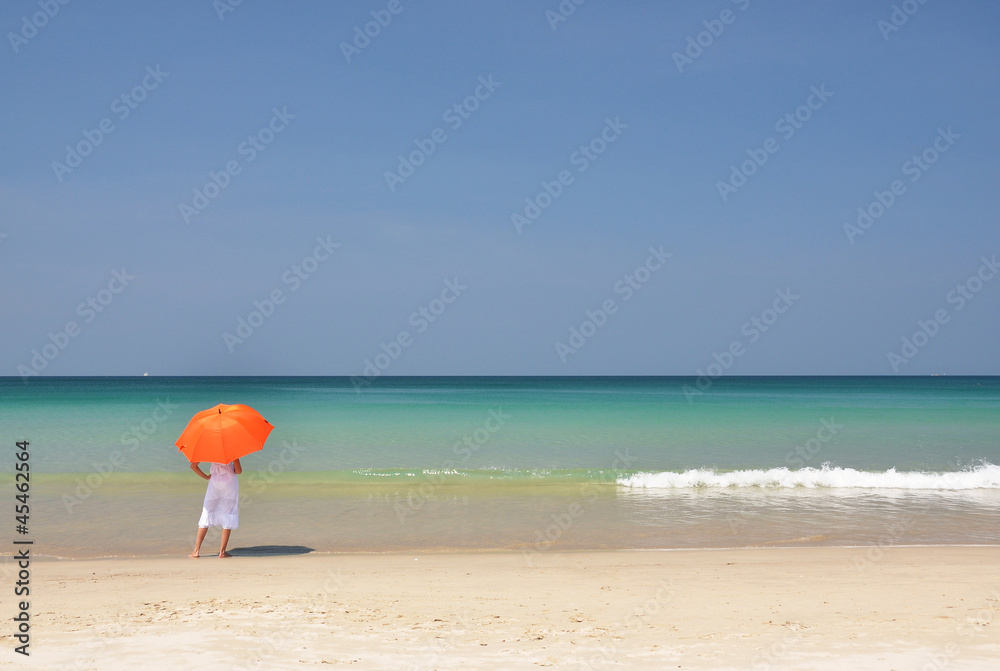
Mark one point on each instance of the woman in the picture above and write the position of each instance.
(222, 500)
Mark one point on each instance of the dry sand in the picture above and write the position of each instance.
(794, 608)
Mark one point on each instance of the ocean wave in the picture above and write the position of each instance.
(984, 476)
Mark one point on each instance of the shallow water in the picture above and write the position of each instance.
(523, 464)
(138, 514)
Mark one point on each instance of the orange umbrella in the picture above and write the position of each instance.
(223, 433)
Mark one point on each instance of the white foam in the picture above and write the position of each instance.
(985, 476)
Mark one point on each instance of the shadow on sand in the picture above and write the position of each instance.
(270, 550)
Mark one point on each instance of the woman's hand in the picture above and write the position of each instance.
(196, 467)
(237, 467)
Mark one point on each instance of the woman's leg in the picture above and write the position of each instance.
(197, 543)
(225, 541)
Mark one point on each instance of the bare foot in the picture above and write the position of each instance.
(194, 555)
(224, 554)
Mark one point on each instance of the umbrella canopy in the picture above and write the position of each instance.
(223, 433)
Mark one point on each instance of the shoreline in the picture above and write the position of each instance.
(500, 551)
(815, 608)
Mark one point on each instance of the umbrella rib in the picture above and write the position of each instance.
(222, 439)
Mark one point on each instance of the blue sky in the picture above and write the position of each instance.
(670, 138)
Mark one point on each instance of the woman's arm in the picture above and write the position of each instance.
(196, 467)
(236, 465)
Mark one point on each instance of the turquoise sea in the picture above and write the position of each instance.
(520, 463)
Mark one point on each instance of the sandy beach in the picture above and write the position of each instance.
(791, 608)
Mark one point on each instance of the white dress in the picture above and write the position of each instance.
(222, 499)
